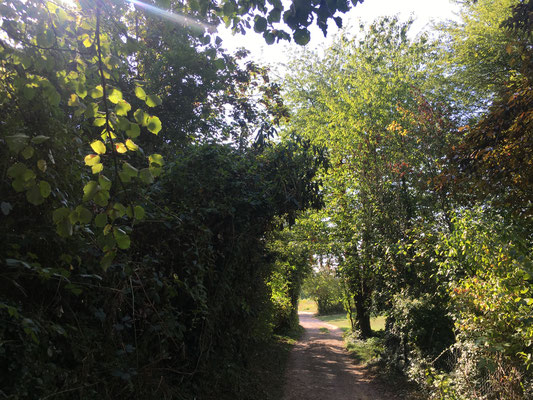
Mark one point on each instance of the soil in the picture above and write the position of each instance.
(320, 368)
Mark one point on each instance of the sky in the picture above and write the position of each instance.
(424, 12)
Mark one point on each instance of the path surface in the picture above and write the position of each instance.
(321, 369)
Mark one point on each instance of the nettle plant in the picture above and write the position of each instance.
(74, 67)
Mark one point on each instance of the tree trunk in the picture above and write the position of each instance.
(363, 316)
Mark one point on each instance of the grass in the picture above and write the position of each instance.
(341, 320)
(324, 330)
(365, 351)
(307, 305)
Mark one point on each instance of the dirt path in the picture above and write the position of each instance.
(321, 369)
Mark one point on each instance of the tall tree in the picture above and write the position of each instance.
(370, 100)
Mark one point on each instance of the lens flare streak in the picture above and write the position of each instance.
(173, 17)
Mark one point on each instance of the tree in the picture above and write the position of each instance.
(366, 100)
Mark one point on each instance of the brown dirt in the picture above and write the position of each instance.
(320, 368)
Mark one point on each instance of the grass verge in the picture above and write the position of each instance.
(340, 320)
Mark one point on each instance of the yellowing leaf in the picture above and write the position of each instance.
(41, 164)
(73, 100)
(115, 96)
(130, 144)
(97, 92)
(121, 148)
(99, 122)
(98, 147)
(92, 159)
(97, 168)
(87, 42)
(105, 135)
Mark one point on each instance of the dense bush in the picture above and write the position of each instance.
(134, 246)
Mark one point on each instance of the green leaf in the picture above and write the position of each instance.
(28, 175)
(141, 117)
(301, 36)
(129, 170)
(102, 198)
(120, 209)
(17, 142)
(140, 93)
(156, 171)
(90, 190)
(64, 228)
(153, 100)
(133, 131)
(28, 91)
(260, 24)
(275, 15)
(122, 238)
(73, 101)
(19, 185)
(125, 178)
(107, 259)
(84, 215)
(28, 152)
(33, 195)
(39, 139)
(146, 176)
(91, 111)
(156, 159)
(154, 125)
(122, 108)
(45, 189)
(81, 90)
(269, 37)
(104, 182)
(16, 170)
(138, 211)
(60, 214)
(101, 220)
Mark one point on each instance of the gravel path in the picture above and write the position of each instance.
(321, 369)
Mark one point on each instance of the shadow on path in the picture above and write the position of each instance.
(321, 369)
